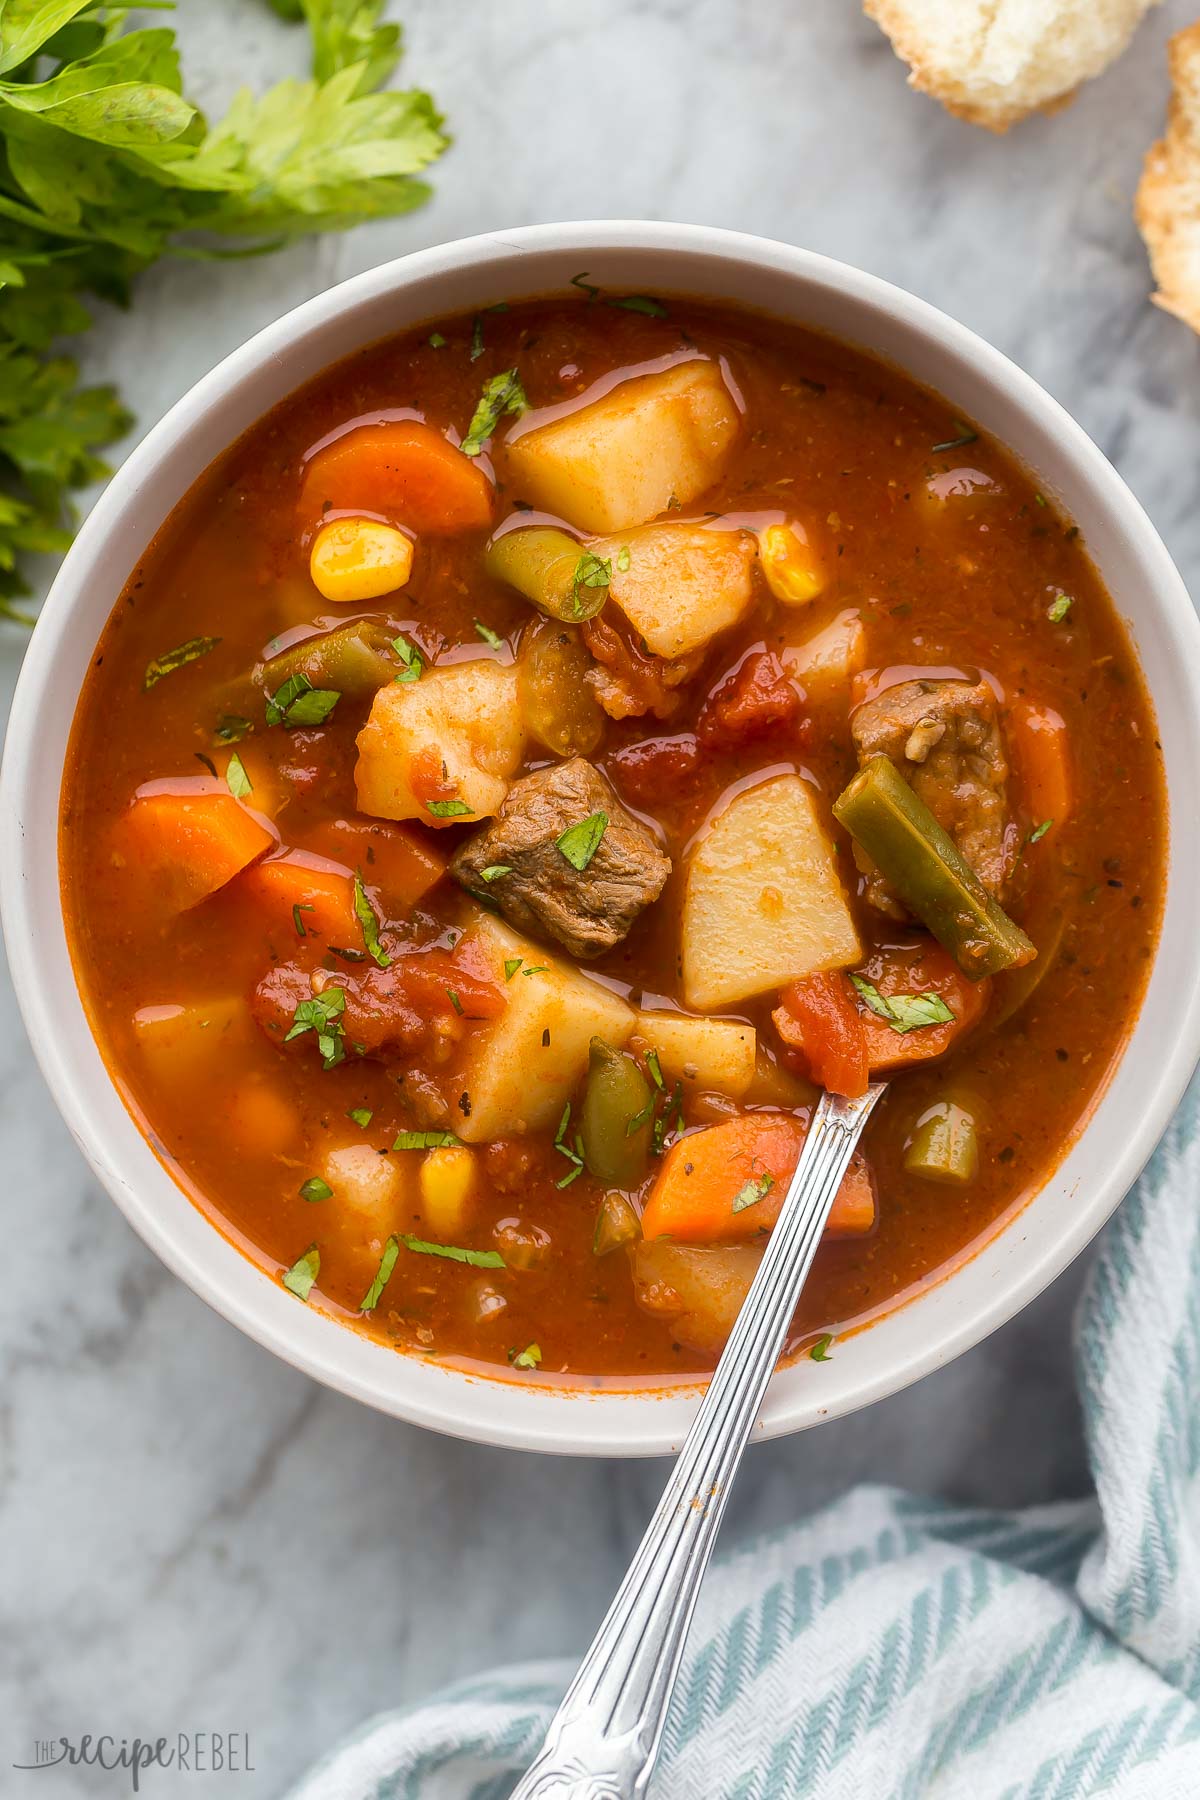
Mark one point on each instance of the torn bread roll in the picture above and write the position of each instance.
(995, 61)
(1168, 196)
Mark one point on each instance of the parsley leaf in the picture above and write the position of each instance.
(478, 1259)
(494, 871)
(903, 1012)
(511, 965)
(361, 1115)
(298, 702)
(236, 778)
(502, 394)
(387, 1263)
(449, 809)
(301, 906)
(1039, 832)
(426, 1140)
(1057, 611)
(753, 1192)
(232, 728)
(820, 1350)
(579, 843)
(323, 1015)
(640, 303)
(490, 638)
(591, 571)
(303, 1272)
(171, 659)
(410, 656)
(529, 1358)
(364, 912)
(315, 1188)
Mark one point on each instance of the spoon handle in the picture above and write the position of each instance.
(604, 1738)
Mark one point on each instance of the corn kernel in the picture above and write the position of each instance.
(447, 1179)
(358, 559)
(790, 564)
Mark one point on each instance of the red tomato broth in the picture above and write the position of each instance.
(847, 443)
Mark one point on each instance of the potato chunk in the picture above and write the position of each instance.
(622, 459)
(711, 1054)
(683, 583)
(519, 1072)
(441, 749)
(700, 1291)
(825, 662)
(763, 902)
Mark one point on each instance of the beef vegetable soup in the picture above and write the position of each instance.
(545, 750)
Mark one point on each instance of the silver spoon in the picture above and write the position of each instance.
(603, 1740)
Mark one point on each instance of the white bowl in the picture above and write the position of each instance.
(718, 265)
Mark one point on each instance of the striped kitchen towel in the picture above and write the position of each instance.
(894, 1648)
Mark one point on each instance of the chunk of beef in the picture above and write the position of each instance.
(588, 910)
(944, 737)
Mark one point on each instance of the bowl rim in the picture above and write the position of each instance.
(445, 1398)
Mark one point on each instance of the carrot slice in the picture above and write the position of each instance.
(303, 896)
(1043, 760)
(391, 859)
(727, 1183)
(820, 1020)
(186, 845)
(404, 470)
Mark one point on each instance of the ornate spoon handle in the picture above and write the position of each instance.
(604, 1738)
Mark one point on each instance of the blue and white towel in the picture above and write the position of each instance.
(897, 1649)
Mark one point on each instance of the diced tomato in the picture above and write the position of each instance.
(656, 769)
(756, 700)
(819, 1020)
(391, 859)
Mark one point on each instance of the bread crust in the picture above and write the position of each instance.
(1167, 207)
(931, 74)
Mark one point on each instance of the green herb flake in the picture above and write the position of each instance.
(323, 1015)
(640, 303)
(383, 1274)
(964, 435)
(640, 1118)
(366, 915)
(579, 843)
(502, 394)
(903, 1012)
(494, 871)
(655, 1068)
(449, 809)
(820, 1350)
(315, 1189)
(178, 658)
(410, 656)
(231, 728)
(591, 571)
(511, 965)
(436, 341)
(301, 906)
(298, 703)
(529, 1358)
(208, 762)
(491, 638)
(478, 1259)
(585, 286)
(455, 1002)
(624, 558)
(1057, 611)
(570, 1176)
(361, 1116)
(753, 1192)
(427, 1140)
(236, 778)
(304, 1271)
(1039, 831)
(535, 969)
(1041, 499)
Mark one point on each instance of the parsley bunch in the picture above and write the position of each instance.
(105, 166)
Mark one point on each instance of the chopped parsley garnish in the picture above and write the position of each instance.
(511, 965)
(304, 1271)
(655, 1068)
(476, 337)
(427, 1140)
(177, 659)
(585, 286)
(490, 637)
(236, 778)
(478, 1259)
(535, 969)
(1057, 611)
(820, 1350)
(435, 340)
(903, 1012)
(410, 656)
(387, 1263)
(591, 571)
(573, 1153)
(494, 871)
(502, 394)
(323, 1014)
(529, 1358)
(640, 303)
(449, 809)
(641, 1118)
(1039, 831)
(208, 762)
(365, 913)
(624, 558)
(315, 1189)
(753, 1191)
(361, 1115)
(965, 436)
(579, 843)
(669, 1120)
(298, 702)
(301, 906)
(232, 728)
(455, 1002)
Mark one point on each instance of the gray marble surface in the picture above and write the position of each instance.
(193, 1536)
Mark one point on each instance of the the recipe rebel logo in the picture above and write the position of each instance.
(189, 1752)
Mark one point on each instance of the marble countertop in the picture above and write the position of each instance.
(194, 1537)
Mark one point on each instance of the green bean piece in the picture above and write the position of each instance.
(923, 865)
(354, 659)
(614, 1120)
(558, 706)
(616, 1224)
(944, 1146)
(551, 569)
